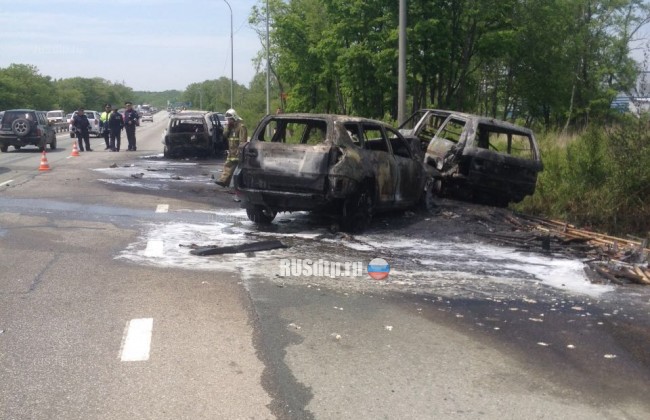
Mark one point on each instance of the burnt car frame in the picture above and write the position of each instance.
(350, 167)
(193, 132)
(480, 158)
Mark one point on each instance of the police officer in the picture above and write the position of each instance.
(131, 120)
(236, 134)
(103, 124)
(82, 125)
(115, 125)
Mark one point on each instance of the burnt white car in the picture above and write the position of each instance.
(478, 158)
(347, 166)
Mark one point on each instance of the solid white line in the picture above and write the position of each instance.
(136, 342)
(6, 182)
(154, 248)
(162, 208)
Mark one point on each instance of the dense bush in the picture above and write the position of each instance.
(599, 179)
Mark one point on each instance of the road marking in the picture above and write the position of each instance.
(136, 342)
(6, 182)
(162, 208)
(154, 248)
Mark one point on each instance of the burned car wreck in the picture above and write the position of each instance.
(193, 132)
(346, 166)
(479, 158)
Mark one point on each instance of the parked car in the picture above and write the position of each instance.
(348, 166)
(56, 116)
(146, 116)
(24, 127)
(479, 158)
(192, 132)
(93, 118)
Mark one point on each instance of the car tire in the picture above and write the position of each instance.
(430, 201)
(4, 149)
(20, 127)
(53, 144)
(260, 215)
(357, 211)
(166, 152)
(17, 147)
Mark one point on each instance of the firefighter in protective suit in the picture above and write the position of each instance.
(235, 134)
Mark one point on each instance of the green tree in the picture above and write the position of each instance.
(24, 87)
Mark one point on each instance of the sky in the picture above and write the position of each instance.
(149, 45)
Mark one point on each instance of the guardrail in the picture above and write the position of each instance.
(61, 127)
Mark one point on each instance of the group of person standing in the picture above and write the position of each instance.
(111, 124)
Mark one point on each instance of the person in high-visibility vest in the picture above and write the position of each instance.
(103, 124)
(236, 134)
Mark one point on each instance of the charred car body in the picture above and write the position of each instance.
(193, 132)
(480, 158)
(348, 166)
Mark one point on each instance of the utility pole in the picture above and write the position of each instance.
(268, 63)
(232, 57)
(401, 76)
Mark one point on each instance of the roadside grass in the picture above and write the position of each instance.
(598, 179)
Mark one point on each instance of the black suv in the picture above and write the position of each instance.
(23, 127)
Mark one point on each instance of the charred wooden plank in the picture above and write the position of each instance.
(236, 249)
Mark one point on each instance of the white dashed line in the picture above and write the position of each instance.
(136, 342)
(162, 208)
(154, 248)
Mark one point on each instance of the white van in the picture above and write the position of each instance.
(56, 116)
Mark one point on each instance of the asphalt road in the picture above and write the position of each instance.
(104, 313)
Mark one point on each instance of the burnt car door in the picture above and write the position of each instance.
(216, 133)
(446, 147)
(384, 166)
(424, 124)
(502, 161)
(410, 182)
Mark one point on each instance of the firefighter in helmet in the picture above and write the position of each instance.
(235, 134)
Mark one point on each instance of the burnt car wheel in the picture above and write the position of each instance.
(4, 149)
(20, 127)
(431, 197)
(260, 215)
(166, 152)
(357, 211)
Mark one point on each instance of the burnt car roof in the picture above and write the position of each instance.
(493, 121)
(331, 117)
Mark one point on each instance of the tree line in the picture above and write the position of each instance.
(552, 62)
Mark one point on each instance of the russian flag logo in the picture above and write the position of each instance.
(378, 269)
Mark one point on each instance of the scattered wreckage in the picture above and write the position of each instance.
(343, 165)
(476, 158)
(607, 259)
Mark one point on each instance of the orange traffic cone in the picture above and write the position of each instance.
(75, 151)
(44, 165)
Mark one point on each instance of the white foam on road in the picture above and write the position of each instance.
(427, 263)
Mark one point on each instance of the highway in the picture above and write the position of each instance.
(105, 313)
